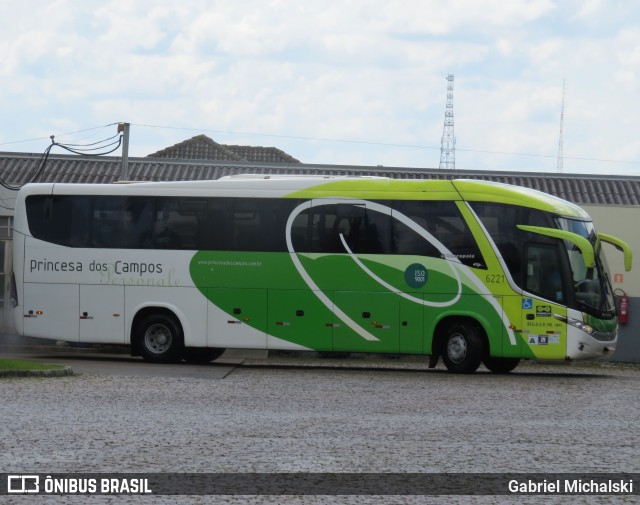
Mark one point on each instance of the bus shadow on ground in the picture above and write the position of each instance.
(481, 374)
(524, 372)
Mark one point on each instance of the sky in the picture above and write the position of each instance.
(349, 82)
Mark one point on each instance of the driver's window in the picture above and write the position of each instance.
(543, 275)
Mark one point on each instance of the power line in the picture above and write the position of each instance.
(383, 144)
(344, 141)
(106, 146)
(293, 137)
(56, 135)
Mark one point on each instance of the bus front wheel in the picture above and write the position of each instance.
(462, 348)
(159, 339)
(501, 365)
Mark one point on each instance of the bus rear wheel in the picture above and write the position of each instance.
(462, 348)
(159, 339)
(501, 365)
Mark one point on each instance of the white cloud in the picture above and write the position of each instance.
(365, 70)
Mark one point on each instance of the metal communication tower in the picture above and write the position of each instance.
(560, 154)
(448, 149)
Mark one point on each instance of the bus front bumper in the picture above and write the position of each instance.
(583, 346)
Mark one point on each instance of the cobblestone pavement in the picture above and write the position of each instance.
(287, 415)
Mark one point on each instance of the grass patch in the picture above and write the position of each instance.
(24, 364)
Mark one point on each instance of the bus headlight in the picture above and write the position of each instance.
(580, 325)
(576, 323)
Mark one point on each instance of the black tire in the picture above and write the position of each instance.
(159, 339)
(462, 347)
(202, 354)
(501, 365)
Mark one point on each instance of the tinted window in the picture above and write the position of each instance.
(501, 222)
(251, 224)
(445, 223)
(543, 272)
(116, 222)
(59, 219)
(160, 222)
(258, 224)
(327, 228)
(121, 222)
(323, 228)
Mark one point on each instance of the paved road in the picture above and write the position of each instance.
(305, 414)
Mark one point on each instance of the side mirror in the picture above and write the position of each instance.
(620, 245)
(588, 253)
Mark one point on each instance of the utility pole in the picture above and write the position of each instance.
(560, 153)
(124, 129)
(448, 149)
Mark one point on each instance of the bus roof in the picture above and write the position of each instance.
(489, 191)
(310, 186)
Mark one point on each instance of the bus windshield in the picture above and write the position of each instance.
(592, 286)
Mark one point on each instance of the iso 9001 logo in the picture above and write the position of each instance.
(23, 484)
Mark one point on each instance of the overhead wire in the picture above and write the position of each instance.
(93, 143)
(57, 135)
(80, 149)
(87, 152)
(37, 174)
(88, 149)
(383, 144)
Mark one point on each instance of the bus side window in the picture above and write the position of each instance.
(445, 223)
(140, 215)
(511, 256)
(319, 228)
(213, 233)
(300, 234)
(315, 230)
(407, 241)
(501, 222)
(248, 226)
(63, 220)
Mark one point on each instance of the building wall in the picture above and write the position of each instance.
(7, 204)
(622, 222)
(6, 267)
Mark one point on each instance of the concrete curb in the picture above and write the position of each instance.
(62, 372)
(53, 348)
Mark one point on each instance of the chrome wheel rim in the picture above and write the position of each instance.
(457, 348)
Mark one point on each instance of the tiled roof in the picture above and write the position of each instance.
(16, 168)
(261, 154)
(202, 147)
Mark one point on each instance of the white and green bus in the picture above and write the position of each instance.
(470, 271)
